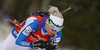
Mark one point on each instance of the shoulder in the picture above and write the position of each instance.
(59, 33)
(32, 18)
(39, 18)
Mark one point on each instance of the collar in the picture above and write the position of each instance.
(43, 30)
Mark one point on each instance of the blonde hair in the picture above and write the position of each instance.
(54, 11)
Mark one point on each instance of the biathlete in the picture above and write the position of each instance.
(36, 32)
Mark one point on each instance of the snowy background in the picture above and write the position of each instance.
(5, 29)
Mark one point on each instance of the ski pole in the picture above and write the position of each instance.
(15, 23)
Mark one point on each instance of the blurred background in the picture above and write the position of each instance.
(81, 29)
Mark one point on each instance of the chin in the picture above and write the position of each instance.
(51, 34)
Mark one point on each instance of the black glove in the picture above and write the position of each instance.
(51, 47)
(40, 44)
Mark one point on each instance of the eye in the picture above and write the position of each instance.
(54, 30)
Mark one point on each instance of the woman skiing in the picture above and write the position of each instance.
(36, 33)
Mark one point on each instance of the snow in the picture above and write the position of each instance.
(5, 29)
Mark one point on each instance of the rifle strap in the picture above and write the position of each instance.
(42, 22)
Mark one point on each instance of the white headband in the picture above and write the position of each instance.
(56, 20)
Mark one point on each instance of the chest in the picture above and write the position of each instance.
(33, 37)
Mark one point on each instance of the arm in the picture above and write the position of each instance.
(30, 25)
(57, 38)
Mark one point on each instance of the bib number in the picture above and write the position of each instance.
(14, 32)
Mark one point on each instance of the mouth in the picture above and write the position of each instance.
(51, 33)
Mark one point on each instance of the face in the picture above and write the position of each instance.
(49, 30)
